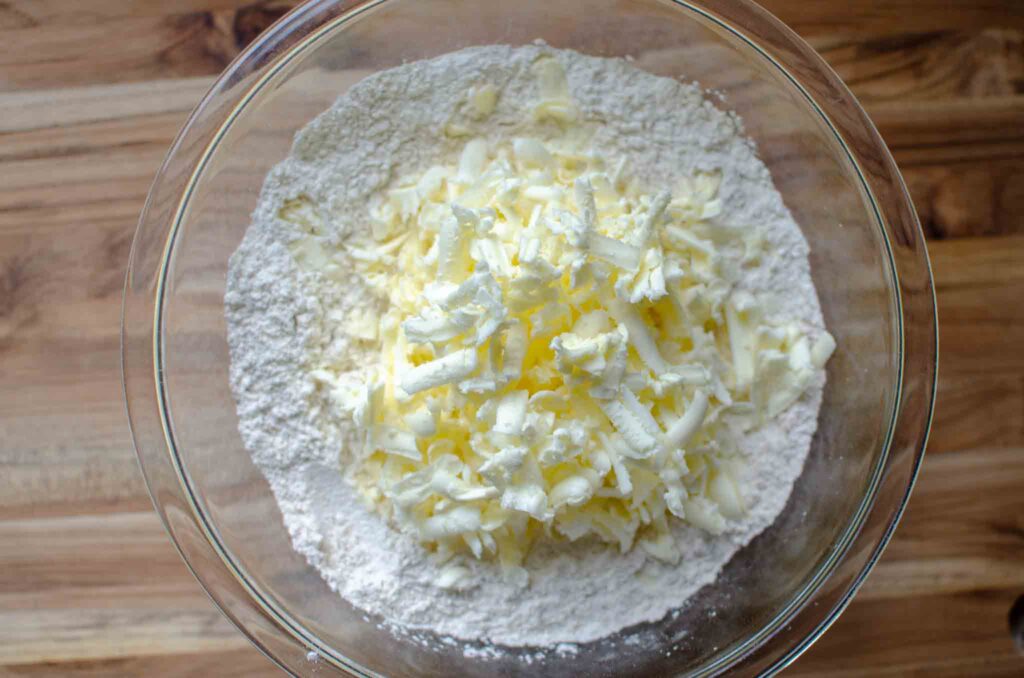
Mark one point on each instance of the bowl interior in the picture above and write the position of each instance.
(812, 169)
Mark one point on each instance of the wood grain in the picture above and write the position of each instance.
(155, 40)
(895, 17)
(90, 585)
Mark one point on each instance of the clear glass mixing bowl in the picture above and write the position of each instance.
(868, 259)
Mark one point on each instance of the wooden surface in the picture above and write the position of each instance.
(92, 92)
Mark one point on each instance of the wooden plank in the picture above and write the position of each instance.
(62, 265)
(887, 17)
(921, 131)
(946, 635)
(84, 550)
(238, 663)
(977, 410)
(976, 197)
(46, 45)
(865, 15)
(947, 519)
(135, 48)
(978, 285)
(972, 262)
(898, 580)
(981, 375)
(82, 633)
(962, 159)
(880, 16)
(949, 106)
(64, 110)
(103, 586)
(937, 602)
(983, 542)
(27, 13)
(82, 178)
(928, 65)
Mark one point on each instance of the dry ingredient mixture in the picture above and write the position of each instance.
(525, 343)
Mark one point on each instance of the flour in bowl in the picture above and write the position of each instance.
(394, 508)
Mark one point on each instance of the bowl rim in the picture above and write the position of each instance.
(284, 41)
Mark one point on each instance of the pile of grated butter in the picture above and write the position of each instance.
(563, 354)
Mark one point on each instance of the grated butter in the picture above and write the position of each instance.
(563, 354)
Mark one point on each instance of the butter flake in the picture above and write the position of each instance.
(649, 227)
(500, 468)
(422, 422)
(529, 499)
(395, 441)
(531, 153)
(449, 369)
(573, 491)
(471, 163)
(640, 336)
(741, 339)
(723, 490)
(515, 346)
(452, 246)
(822, 350)
(483, 100)
(511, 413)
(618, 253)
(629, 427)
(683, 429)
(704, 514)
(553, 86)
(455, 521)
(454, 577)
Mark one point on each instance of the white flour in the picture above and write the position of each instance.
(388, 125)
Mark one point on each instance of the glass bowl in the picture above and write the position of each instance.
(868, 259)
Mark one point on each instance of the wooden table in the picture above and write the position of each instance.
(91, 93)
